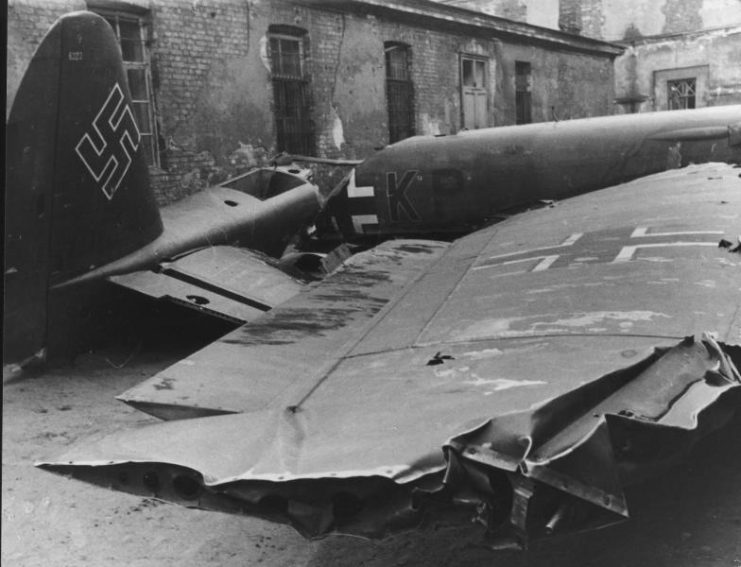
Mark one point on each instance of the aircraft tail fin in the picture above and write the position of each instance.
(78, 192)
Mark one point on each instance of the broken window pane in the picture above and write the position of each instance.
(681, 93)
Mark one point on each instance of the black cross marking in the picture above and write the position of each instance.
(605, 246)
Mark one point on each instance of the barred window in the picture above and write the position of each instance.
(132, 32)
(291, 94)
(681, 93)
(399, 90)
(523, 92)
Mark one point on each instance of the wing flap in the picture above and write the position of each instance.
(223, 281)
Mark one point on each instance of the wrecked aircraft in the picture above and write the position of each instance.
(520, 377)
(451, 185)
(83, 209)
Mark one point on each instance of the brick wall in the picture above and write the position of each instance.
(613, 20)
(570, 16)
(28, 22)
(214, 93)
(592, 18)
(710, 57)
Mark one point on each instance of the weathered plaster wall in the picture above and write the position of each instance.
(632, 17)
(563, 88)
(720, 13)
(613, 20)
(542, 13)
(355, 94)
(639, 70)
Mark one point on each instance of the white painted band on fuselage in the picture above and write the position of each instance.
(359, 222)
(353, 191)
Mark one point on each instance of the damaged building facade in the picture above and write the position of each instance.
(679, 53)
(220, 86)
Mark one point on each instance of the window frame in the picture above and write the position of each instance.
(399, 87)
(300, 140)
(679, 98)
(114, 18)
(523, 92)
(662, 78)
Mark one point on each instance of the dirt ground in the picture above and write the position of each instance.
(689, 518)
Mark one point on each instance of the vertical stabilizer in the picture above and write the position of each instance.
(77, 187)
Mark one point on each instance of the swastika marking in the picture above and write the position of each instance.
(107, 149)
(608, 246)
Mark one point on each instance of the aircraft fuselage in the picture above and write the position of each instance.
(432, 185)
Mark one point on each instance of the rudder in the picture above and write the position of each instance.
(77, 186)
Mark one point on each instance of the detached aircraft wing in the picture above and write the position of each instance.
(521, 376)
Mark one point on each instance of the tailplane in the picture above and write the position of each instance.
(77, 186)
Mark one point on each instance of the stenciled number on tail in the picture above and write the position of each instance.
(107, 149)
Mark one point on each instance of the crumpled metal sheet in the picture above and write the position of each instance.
(522, 379)
(558, 467)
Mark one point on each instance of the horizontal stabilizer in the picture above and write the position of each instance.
(224, 281)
